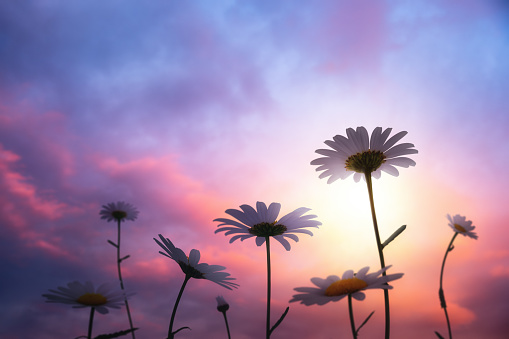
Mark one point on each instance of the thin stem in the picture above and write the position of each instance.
(380, 254)
(267, 327)
(121, 281)
(226, 322)
(350, 312)
(441, 290)
(90, 322)
(170, 329)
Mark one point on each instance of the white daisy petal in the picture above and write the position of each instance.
(268, 225)
(191, 266)
(359, 154)
(86, 295)
(461, 225)
(333, 288)
(120, 211)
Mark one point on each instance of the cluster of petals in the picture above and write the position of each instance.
(111, 211)
(191, 266)
(75, 290)
(461, 225)
(317, 295)
(358, 141)
(247, 217)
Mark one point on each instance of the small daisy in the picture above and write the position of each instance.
(85, 295)
(333, 288)
(262, 223)
(460, 225)
(119, 211)
(192, 268)
(359, 154)
(222, 305)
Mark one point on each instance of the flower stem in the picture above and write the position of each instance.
(350, 312)
(90, 322)
(121, 281)
(267, 327)
(226, 322)
(380, 254)
(170, 329)
(441, 291)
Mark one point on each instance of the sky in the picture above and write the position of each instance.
(188, 108)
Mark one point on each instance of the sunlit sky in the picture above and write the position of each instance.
(188, 108)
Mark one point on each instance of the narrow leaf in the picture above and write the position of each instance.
(116, 334)
(280, 320)
(438, 335)
(394, 235)
(112, 243)
(124, 258)
(450, 248)
(180, 329)
(364, 322)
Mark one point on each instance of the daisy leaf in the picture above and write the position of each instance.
(116, 334)
(394, 235)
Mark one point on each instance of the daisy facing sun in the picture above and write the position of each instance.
(351, 285)
(334, 288)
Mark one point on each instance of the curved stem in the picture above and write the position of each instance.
(380, 254)
(121, 281)
(226, 322)
(90, 322)
(441, 290)
(170, 329)
(267, 327)
(350, 312)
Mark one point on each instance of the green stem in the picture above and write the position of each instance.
(380, 254)
(170, 329)
(226, 322)
(350, 312)
(267, 327)
(441, 290)
(90, 322)
(121, 281)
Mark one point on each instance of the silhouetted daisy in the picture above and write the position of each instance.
(85, 295)
(262, 223)
(191, 267)
(460, 225)
(333, 288)
(119, 211)
(359, 154)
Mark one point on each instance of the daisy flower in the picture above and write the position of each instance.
(119, 211)
(262, 223)
(333, 288)
(359, 154)
(460, 225)
(86, 295)
(191, 267)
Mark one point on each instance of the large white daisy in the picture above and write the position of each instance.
(191, 267)
(359, 155)
(119, 211)
(459, 224)
(85, 295)
(262, 223)
(333, 288)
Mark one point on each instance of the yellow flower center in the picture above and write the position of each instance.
(265, 229)
(367, 161)
(460, 228)
(92, 299)
(345, 286)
